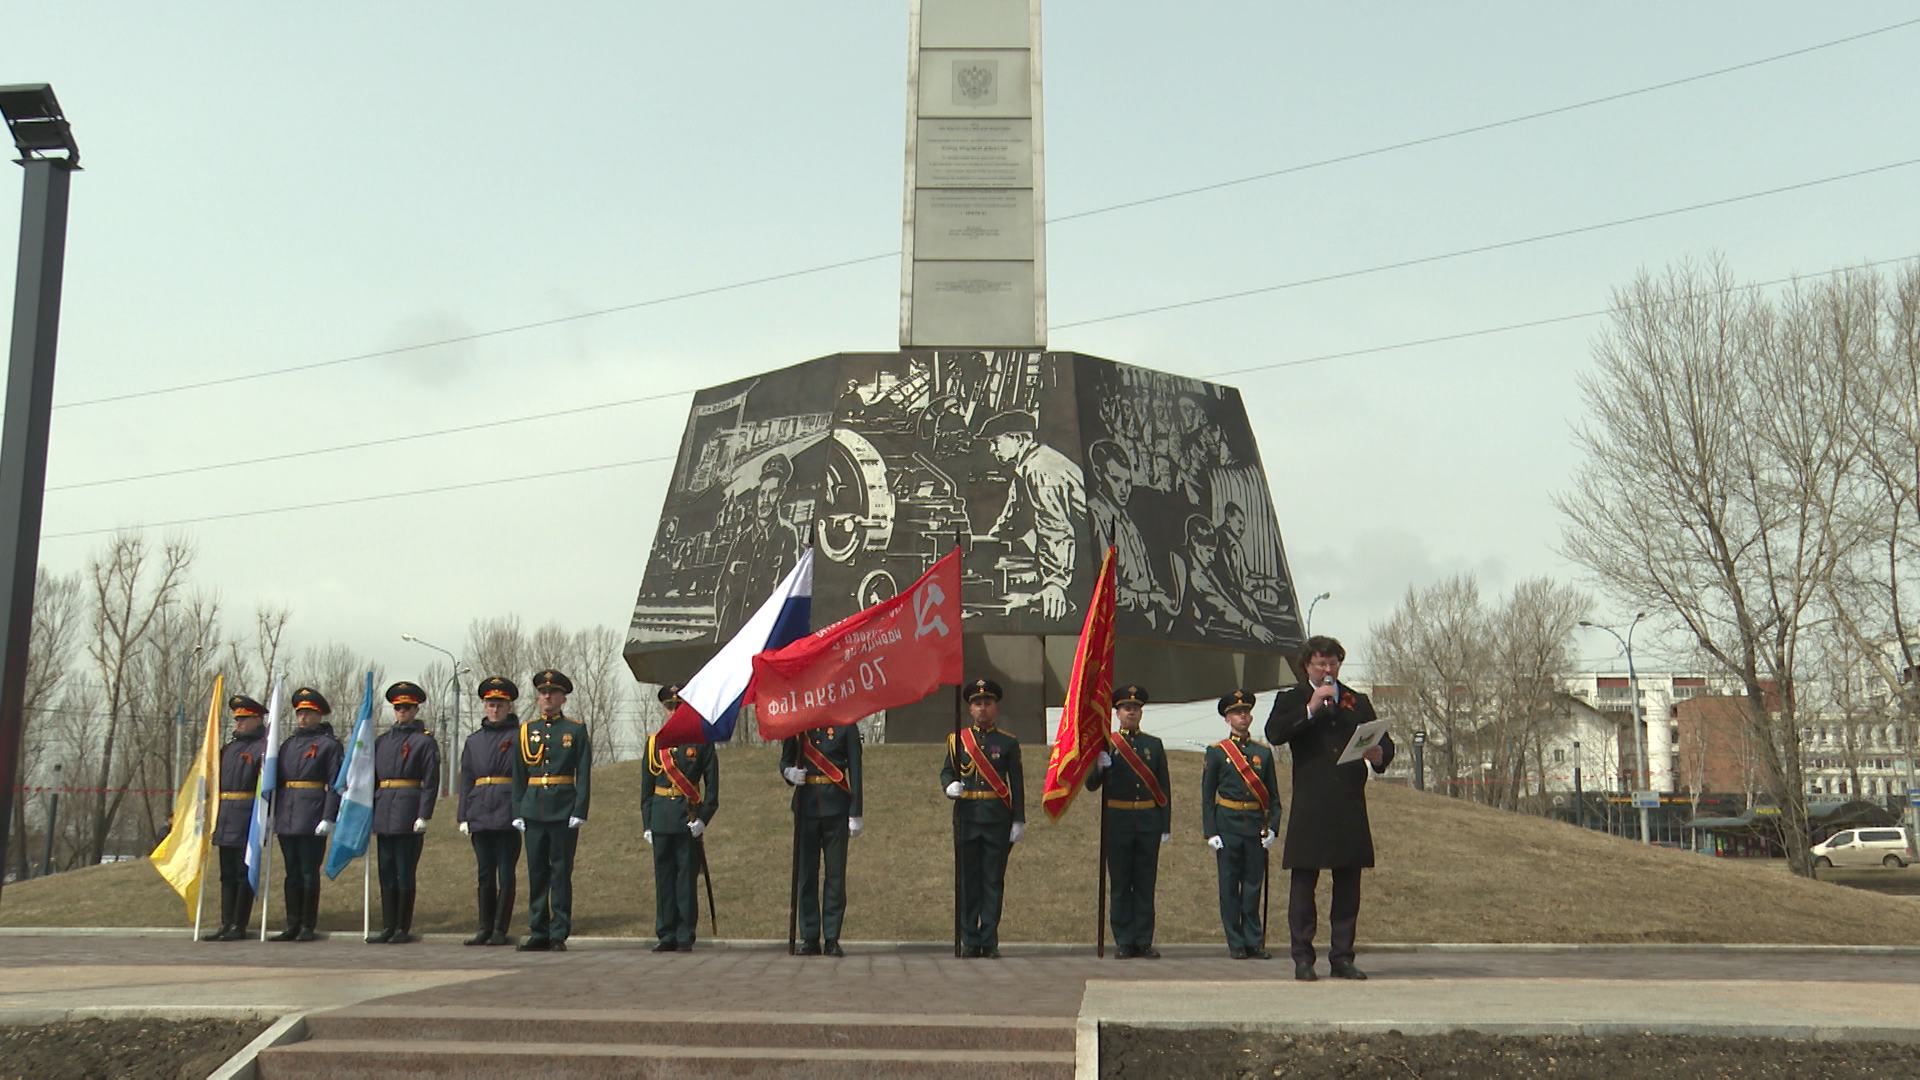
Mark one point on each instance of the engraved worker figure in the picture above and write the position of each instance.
(1202, 447)
(763, 553)
(1045, 507)
(1112, 524)
(1210, 607)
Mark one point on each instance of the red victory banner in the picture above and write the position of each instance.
(1084, 720)
(891, 654)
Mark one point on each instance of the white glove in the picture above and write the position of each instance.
(1105, 760)
(323, 828)
(466, 829)
(419, 824)
(520, 823)
(696, 827)
(954, 789)
(1013, 837)
(795, 775)
(575, 822)
(1266, 840)
(1215, 843)
(647, 835)
(855, 826)
(1166, 838)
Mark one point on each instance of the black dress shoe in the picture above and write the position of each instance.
(1344, 969)
(559, 945)
(1123, 952)
(534, 944)
(809, 948)
(1237, 952)
(1304, 973)
(306, 934)
(833, 948)
(991, 952)
(218, 935)
(385, 935)
(1147, 952)
(666, 946)
(970, 952)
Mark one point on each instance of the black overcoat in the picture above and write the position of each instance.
(308, 756)
(239, 771)
(404, 752)
(1328, 827)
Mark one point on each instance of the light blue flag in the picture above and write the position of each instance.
(262, 824)
(355, 824)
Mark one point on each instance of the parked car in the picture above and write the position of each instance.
(1865, 847)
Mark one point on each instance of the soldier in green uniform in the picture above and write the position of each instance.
(1240, 816)
(823, 765)
(551, 772)
(1134, 773)
(678, 797)
(982, 772)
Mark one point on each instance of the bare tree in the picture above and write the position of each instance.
(498, 646)
(1434, 650)
(1531, 636)
(50, 656)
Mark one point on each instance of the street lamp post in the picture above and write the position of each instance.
(1633, 688)
(50, 156)
(447, 764)
(1579, 796)
(53, 818)
(1315, 604)
(1419, 761)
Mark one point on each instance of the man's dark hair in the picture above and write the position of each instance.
(1320, 645)
(1106, 451)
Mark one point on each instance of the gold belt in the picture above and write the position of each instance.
(822, 780)
(478, 780)
(399, 783)
(669, 791)
(226, 796)
(548, 781)
(978, 795)
(1132, 804)
(1238, 804)
(302, 785)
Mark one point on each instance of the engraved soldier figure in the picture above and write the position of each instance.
(1240, 816)
(1133, 770)
(678, 798)
(304, 806)
(486, 807)
(1045, 508)
(240, 762)
(551, 772)
(823, 765)
(406, 776)
(982, 772)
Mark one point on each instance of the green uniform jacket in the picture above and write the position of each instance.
(822, 798)
(662, 808)
(1221, 780)
(1122, 784)
(556, 747)
(978, 802)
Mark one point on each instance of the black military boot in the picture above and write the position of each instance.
(242, 911)
(226, 913)
(504, 920)
(389, 916)
(310, 914)
(489, 910)
(296, 900)
(404, 935)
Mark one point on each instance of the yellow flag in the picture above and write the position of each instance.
(182, 857)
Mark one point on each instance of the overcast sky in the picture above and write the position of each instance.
(276, 185)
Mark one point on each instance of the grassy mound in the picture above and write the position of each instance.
(1449, 872)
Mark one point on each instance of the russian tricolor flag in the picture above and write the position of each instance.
(710, 702)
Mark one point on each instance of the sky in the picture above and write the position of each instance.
(278, 186)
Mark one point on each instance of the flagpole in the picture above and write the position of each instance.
(713, 916)
(266, 875)
(366, 896)
(1100, 887)
(793, 893)
(953, 750)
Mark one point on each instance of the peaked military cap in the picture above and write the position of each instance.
(308, 698)
(670, 695)
(777, 465)
(983, 688)
(1010, 423)
(1239, 699)
(553, 680)
(498, 687)
(1130, 694)
(406, 693)
(242, 705)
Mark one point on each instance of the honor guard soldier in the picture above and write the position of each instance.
(1133, 770)
(304, 806)
(823, 765)
(678, 797)
(239, 778)
(982, 772)
(550, 787)
(486, 807)
(1240, 816)
(406, 783)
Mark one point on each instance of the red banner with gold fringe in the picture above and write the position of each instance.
(1085, 718)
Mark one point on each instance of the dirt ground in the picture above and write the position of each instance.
(1145, 1054)
(98, 1049)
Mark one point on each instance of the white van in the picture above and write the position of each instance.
(1865, 847)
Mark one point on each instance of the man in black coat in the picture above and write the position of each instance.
(239, 777)
(823, 765)
(1328, 829)
(486, 808)
(406, 783)
(1133, 771)
(679, 794)
(304, 806)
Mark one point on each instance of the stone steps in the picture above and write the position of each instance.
(442, 1041)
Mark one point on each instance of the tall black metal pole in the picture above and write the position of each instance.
(53, 822)
(23, 442)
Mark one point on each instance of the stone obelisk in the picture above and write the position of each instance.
(974, 257)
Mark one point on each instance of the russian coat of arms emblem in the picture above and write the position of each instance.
(976, 82)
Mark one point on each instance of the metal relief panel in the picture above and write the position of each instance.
(975, 82)
(973, 24)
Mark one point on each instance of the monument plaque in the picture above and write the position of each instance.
(973, 224)
(976, 153)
